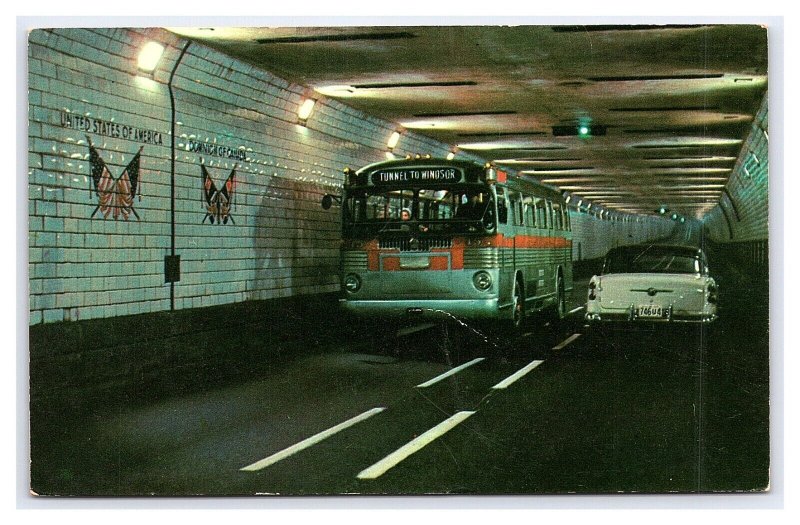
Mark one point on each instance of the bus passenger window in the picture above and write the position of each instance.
(541, 214)
(549, 214)
(558, 219)
(516, 207)
(528, 211)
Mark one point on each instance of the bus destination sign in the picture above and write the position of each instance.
(417, 175)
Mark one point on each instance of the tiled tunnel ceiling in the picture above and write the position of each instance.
(671, 104)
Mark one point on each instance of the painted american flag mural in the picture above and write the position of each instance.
(115, 196)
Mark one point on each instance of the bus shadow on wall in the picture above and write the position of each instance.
(295, 242)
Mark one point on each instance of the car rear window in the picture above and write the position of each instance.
(651, 261)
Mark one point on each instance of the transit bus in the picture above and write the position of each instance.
(431, 237)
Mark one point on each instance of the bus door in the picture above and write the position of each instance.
(559, 228)
(505, 227)
(552, 260)
(542, 259)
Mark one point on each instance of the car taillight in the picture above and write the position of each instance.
(592, 287)
(712, 293)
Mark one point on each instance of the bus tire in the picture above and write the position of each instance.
(518, 307)
(561, 299)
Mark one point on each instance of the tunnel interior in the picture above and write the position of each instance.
(176, 238)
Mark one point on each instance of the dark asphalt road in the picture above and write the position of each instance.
(653, 412)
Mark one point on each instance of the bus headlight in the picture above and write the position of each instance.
(482, 281)
(352, 283)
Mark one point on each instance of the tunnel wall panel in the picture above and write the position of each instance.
(593, 236)
(742, 215)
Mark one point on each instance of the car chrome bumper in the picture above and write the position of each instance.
(629, 317)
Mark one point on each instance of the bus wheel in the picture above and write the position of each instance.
(519, 307)
(561, 300)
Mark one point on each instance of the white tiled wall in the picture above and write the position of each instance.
(748, 188)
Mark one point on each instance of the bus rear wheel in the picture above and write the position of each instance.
(518, 314)
(561, 300)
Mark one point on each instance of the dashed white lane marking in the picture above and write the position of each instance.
(379, 468)
(449, 373)
(516, 375)
(566, 341)
(578, 309)
(285, 453)
(414, 329)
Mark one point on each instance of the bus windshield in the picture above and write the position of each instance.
(460, 209)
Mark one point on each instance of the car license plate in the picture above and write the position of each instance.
(650, 310)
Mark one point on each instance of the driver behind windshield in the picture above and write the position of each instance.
(474, 208)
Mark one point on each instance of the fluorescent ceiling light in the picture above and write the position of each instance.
(341, 90)
(429, 124)
(686, 142)
(508, 145)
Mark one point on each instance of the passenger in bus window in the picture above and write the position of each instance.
(405, 214)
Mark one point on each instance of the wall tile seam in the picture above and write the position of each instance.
(290, 123)
(107, 73)
(147, 121)
(288, 128)
(96, 78)
(93, 39)
(190, 72)
(236, 67)
(232, 99)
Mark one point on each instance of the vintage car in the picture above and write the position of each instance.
(652, 284)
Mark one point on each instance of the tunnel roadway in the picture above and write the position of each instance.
(439, 409)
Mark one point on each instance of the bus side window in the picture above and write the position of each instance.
(528, 211)
(549, 214)
(516, 207)
(502, 210)
(541, 214)
(558, 218)
(567, 219)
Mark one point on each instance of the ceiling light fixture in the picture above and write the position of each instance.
(393, 140)
(305, 109)
(149, 57)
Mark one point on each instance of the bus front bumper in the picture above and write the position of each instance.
(427, 308)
